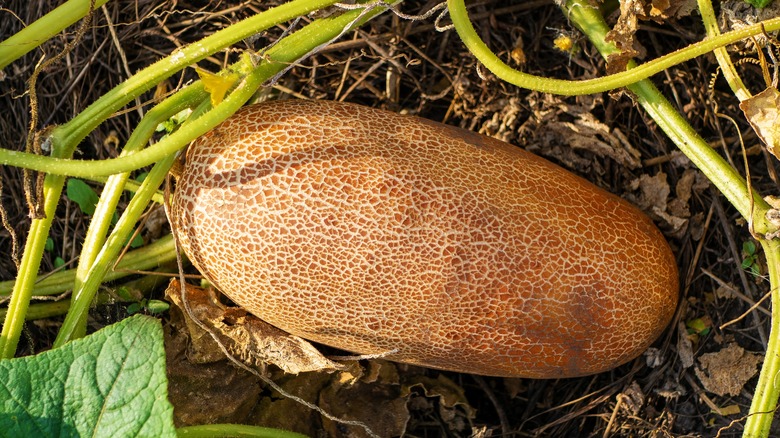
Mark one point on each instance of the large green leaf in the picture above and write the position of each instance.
(109, 384)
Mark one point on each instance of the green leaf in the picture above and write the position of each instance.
(109, 384)
(758, 3)
(82, 194)
(137, 241)
(749, 247)
(49, 246)
(59, 262)
(699, 325)
(134, 308)
(157, 306)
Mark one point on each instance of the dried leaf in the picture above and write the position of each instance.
(725, 372)
(561, 128)
(622, 35)
(761, 111)
(633, 398)
(374, 400)
(654, 199)
(453, 405)
(684, 346)
(205, 393)
(586, 133)
(654, 191)
(247, 337)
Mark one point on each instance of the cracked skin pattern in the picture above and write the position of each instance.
(379, 233)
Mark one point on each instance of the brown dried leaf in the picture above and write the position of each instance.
(690, 182)
(681, 8)
(631, 11)
(762, 112)
(579, 130)
(684, 346)
(633, 398)
(622, 35)
(661, 10)
(245, 336)
(586, 133)
(451, 398)
(285, 413)
(654, 200)
(374, 400)
(654, 192)
(725, 372)
(205, 393)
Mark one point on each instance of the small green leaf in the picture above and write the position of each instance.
(59, 262)
(49, 246)
(748, 262)
(134, 308)
(699, 325)
(760, 4)
(82, 194)
(109, 384)
(137, 241)
(124, 294)
(749, 247)
(157, 306)
(173, 123)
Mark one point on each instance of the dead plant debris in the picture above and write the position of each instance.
(405, 66)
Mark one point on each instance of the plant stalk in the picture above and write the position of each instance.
(65, 138)
(43, 29)
(287, 51)
(493, 63)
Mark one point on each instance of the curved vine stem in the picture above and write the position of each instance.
(721, 54)
(733, 186)
(493, 63)
(276, 59)
(44, 28)
(190, 96)
(749, 203)
(765, 396)
(65, 138)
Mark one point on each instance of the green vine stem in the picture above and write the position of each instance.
(493, 63)
(749, 203)
(54, 308)
(43, 29)
(129, 292)
(85, 294)
(151, 256)
(721, 54)
(279, 57)
(65, 137)
(765, 396)
(114, 187)
(68, 135)
(590, 21)
(233, 430)
(28, 268)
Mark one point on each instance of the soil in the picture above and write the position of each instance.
(404, 65)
